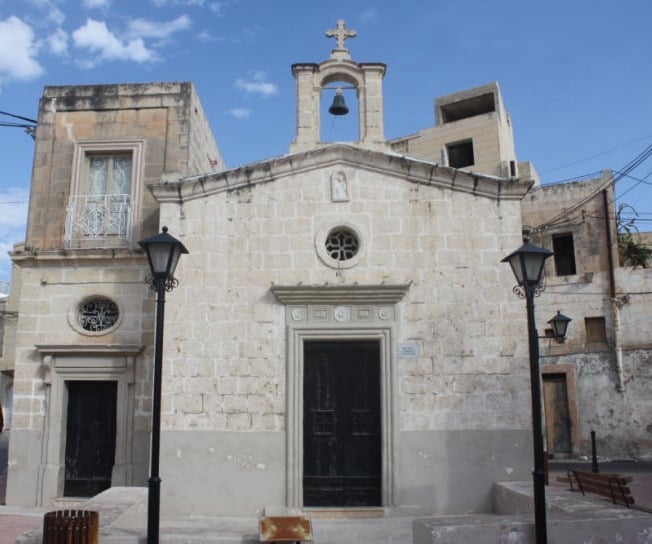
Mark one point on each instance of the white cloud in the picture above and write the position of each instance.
(143, 28)
(53, 14)
(58, 42)
(96, 4)
(97, 38)
(161, 3)
(217, 8)
(370, 16)
(240, 113)
(257, 86)
(18, 50)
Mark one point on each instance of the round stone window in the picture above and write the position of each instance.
(97, 314)
(342, 244)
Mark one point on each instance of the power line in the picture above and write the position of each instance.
(629, 167)
(29, 127)
(602, 153)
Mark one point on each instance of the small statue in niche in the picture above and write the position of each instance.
(339, 186)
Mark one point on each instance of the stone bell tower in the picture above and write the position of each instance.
(366, 78)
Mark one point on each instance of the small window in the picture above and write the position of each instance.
(460, 154)
(564, 250)
(596, 331)
(342, 244)
(97, 314)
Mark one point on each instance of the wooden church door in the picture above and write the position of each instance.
(90, 437)
(341, 425)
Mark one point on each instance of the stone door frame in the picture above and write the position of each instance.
(82, 363)
(341, 313)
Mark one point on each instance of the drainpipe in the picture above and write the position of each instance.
(615, 302)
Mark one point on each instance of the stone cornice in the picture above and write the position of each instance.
(388, 164)
(33, 257)
(340, 294)
(89, 349)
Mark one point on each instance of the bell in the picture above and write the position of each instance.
(338, 107)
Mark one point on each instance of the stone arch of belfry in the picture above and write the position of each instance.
(311, 79)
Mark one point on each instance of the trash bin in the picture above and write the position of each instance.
(71, 527)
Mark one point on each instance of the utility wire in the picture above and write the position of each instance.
(30, 128)
(33, 121)
(602, 153)
(632, 165)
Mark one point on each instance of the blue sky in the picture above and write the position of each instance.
(575, 75)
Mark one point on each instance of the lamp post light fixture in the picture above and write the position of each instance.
(559, 325)
(163, 252)
(527, 264)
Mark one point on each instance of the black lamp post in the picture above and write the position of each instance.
(163, 252)
(527, 264)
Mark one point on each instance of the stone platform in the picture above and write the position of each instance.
(572, 519)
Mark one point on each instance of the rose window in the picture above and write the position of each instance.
(342, 244)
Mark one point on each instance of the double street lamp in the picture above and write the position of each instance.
(527, 263)
(163, 252)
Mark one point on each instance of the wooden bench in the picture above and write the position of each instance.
(612, 486)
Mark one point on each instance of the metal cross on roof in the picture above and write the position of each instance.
(340, 34)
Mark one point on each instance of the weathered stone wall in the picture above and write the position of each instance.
(577, 208)
(621, 419)
(48, 341)
(485, 130)
(243, 241)
(166, 116)
(225, 403)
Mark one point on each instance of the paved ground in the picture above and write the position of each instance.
(16, 521)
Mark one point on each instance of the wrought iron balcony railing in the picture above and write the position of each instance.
(98, 221)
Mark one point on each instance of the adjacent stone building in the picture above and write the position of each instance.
(343, 334)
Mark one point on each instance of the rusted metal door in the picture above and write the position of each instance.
(558, 423)
(341, 426)
(90, 437)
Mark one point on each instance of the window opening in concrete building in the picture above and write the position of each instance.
(90, 437)
(339, 128)
(470, 107)
(342, 244)
(460, 154)
(596, 330)
(564, 250)
(342, 460)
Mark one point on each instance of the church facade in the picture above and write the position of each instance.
(343, 334)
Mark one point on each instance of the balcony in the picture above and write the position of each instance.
(98, 221)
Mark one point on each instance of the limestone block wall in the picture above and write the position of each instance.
(492, 143)
(577, 208)
(619, 418)
(167, 117)
(635, 284)
(51, 348)
(243, 241)
(464, 397)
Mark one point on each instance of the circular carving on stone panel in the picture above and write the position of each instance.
(298, 314)
(339, 246)
(385, 313)
(95, 315)
(342, 313)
